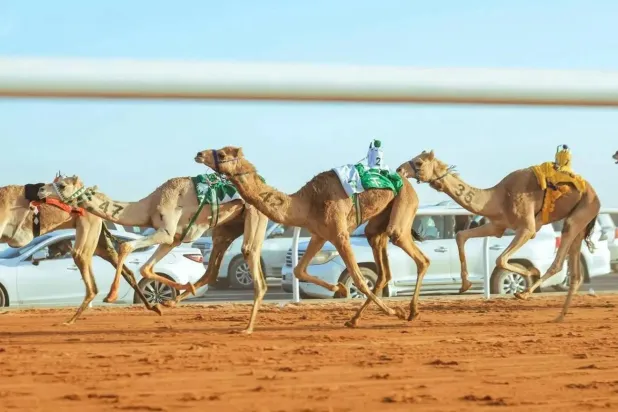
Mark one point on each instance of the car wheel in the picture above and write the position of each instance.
(239, 275)
(4, 300)
(370, 278)
(505, 282)
(155, 291)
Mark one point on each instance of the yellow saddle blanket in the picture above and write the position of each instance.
(546, 173)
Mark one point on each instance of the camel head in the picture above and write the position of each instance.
(615, 156)
(67, 189)
(424, 168)
(226, 160)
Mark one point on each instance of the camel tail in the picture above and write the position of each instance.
(417, 236)
(588, 233)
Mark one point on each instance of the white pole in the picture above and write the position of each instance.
(127, 78)
(295, 284)
(486, 279)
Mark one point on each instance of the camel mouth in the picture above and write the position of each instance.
(199, 158)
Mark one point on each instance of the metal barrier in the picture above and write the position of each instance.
(420, 212)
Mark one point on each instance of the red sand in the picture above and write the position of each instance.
(461, 355)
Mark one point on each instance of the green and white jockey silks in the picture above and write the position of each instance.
(375, 156)
(357, 178)
(214, 190)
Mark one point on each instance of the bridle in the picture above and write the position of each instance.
(76, 197)
(218, 162)
(449, 170)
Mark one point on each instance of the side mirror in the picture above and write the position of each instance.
(278, 231)
(39, 255)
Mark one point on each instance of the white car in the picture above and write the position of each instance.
(608, 222)
(438, 227)
(234, 271)
(31, 276)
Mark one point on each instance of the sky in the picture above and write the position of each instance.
(128, 148)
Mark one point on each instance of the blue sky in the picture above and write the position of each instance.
(128, 148)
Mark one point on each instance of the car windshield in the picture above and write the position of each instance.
(13, 253)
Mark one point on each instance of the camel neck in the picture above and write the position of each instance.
(475, 200)
(277, 206)
(124, 213)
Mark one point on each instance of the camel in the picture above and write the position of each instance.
(174, 211)
(524, 202)
(23, 216)
(323, 207)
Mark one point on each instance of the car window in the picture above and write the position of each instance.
(15, 252)
(606, 221)
(614, 218)
(435, 227)
(60, 249)
(288, 232)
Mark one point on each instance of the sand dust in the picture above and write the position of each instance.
(462, 355)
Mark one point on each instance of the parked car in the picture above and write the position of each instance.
(609, 224)
(598, 262)
(234, 271)
(438, 226)
(43, 272)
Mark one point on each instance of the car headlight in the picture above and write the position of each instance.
(323, 256)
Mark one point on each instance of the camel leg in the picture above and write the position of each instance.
(85, 268)
(107, 252)
(378, 240)
(488, 229)
(165, 239)
(575, 273)
(342, 243)
(147, 269)
(255, 230)
(222, 238)
(300, 271)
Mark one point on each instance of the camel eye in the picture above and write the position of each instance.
(220, 156)
(61, 186)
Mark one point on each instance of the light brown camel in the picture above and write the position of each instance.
(323, 207)
(174, 211)
(17, 229)
(517, 202)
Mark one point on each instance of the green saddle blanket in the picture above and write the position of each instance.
(214, 189)
(379, 179)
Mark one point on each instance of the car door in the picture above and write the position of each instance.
(55, 279)
(105, 271)
(438, 245)
(276, 246)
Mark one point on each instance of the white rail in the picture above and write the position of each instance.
(421, 212)
(122, 79)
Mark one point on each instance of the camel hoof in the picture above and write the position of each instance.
(246, 331)
(350, 323)
(68, 323)
(110, 298)
(169, 303)
(157, 309)
(400, 313)
(413, 315)
(465, 286)
(521, 296)
(191, 288)
(342, 291)
(559, 319)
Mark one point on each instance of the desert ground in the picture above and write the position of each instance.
(461, 355)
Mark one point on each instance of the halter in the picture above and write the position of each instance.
(218, 162)
(68, 199)
(449, 170)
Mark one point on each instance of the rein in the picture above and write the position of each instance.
(449, 170)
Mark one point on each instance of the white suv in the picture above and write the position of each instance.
(438, 226)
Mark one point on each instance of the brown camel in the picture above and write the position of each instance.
(519, 202)
(174, 211)
(18, 205)
(323, 207)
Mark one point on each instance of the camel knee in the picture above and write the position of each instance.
(299, 273)
(395, 234)
(146, 272)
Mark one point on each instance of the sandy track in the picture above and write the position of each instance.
(462, 355)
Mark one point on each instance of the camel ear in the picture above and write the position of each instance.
(430, 156)
(238, 152)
